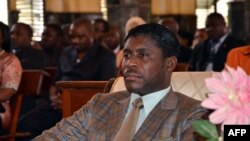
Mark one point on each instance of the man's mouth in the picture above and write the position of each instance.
(131, 76)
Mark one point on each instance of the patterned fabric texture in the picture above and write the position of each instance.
(191, 84)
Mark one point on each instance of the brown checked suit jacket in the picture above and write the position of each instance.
(101, 118)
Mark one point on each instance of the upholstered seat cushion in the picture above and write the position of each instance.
(191, 84)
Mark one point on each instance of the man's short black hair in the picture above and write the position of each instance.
(163, 37)
(27, 28)
(104, 23)
(217, 16)
(57, 28)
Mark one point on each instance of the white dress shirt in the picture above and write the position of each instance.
(149, 102)
(216, 48)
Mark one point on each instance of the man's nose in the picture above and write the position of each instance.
(132, 61)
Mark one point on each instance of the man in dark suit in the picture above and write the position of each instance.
(21, 38)
(150, 56)
(212, 53)
(30, 57)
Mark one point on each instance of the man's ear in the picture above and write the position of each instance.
(171, 63)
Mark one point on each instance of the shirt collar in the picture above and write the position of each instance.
(151, 100)
(221, 40)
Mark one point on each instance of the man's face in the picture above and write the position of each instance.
(80, 37)
(98, 31)
(112, 38)
(19, 37)
(144, 67)
(215, 28)
(49, 37)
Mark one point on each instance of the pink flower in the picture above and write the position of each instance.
(229, 97)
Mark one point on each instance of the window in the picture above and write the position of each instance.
(31, 12)
(4, 11)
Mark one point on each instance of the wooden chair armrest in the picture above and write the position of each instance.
(14, 135)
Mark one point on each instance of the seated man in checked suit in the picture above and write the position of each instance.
(150, 56)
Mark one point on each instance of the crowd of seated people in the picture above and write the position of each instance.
(94, 52)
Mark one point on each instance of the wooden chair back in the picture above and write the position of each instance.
(30, 84)
(180, 67)
(77, 93)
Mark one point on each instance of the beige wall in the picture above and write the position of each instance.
(83, 6)
(183, 7)
(12, 5)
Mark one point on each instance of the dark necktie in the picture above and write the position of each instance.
(127, 130)
(212, 51)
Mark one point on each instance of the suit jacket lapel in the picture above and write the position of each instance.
(157, 116)
(117, 113)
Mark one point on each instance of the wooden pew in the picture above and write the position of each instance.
(77, 93)
(180, 67)
(30, 84)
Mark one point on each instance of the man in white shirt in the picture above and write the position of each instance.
(212, 53)
(150, 56)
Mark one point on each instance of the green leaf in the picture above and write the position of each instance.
(213, 139)
(206, 129)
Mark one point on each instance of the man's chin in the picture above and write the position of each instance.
(133, 89)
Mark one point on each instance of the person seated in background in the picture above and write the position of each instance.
(133, 22)
(200, 36)
(100, 27)
(66, 39)
(52, 44)
(239, 57)
(83, 60)
(185, 40)
(21, 38)
(170, 23)
(149, 110)
(10, 76)
(112, 40)
(211, 54)
(29, 56)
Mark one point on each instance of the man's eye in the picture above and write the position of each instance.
(126, 55)
(143, 54)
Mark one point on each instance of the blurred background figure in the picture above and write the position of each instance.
(10, 76)
(211, 54)
(185, 40)
(52, 44)
(29, 56)
(240, 57)
(133, 22)
(171, 23)
(112, 40)
(100, 27)
(66, 39)
(200, 36)
(21, 38)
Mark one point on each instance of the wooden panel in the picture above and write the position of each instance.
(77, 93)
(31, 82)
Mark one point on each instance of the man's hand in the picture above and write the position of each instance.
(55, 98)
